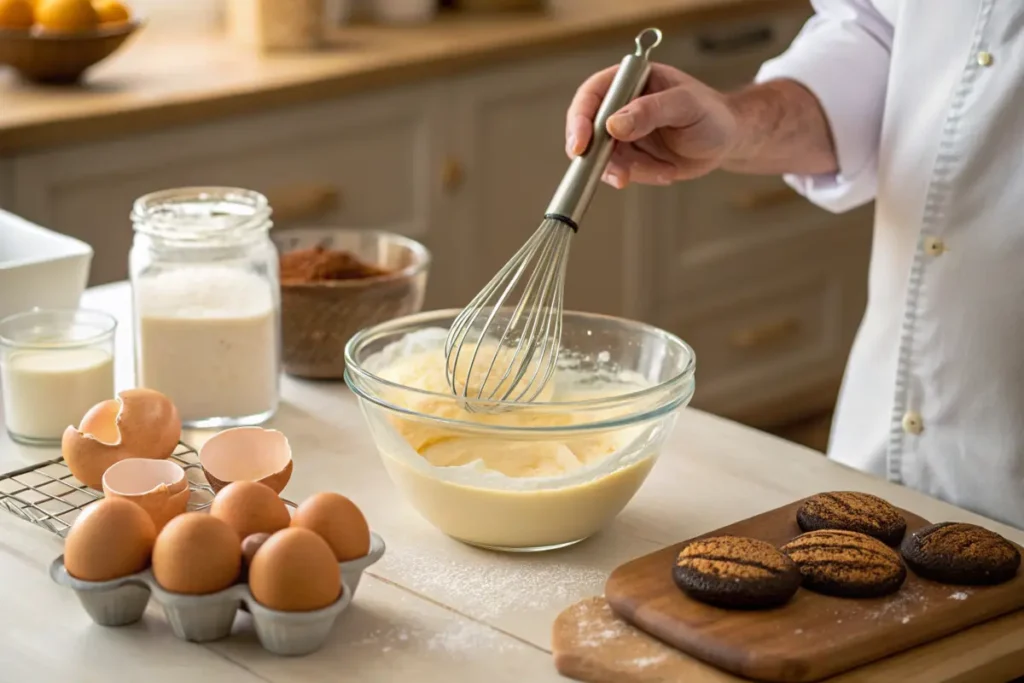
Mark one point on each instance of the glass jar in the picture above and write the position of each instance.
(54, 366)
(206, 299)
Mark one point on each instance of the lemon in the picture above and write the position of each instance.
(16, 14)
(111, 11)
(66, 16)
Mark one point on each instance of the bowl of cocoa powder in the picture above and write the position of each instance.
(335, 282)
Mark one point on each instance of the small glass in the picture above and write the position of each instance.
(207, 304)
(54, 366)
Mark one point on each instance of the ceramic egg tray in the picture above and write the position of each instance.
(202, 618)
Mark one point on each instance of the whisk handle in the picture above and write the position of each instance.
(579, 183)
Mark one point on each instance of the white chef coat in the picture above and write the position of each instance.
(925, 99)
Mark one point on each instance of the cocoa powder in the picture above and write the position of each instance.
(319, 264)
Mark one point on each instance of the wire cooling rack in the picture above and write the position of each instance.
(48, 495)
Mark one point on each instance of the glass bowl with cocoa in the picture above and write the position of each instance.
(337, 281)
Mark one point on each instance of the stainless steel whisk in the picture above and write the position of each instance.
(504, 345)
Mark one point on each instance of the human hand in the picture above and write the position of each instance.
(677, 130)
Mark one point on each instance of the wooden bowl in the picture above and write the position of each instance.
(318, 319)
(52, 57)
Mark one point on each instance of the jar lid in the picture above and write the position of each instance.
(201, 215)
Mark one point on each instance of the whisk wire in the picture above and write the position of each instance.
(526, 337)
(522, 359)
(464, 322)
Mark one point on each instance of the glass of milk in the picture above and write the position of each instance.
(54, 366)
(207, 300)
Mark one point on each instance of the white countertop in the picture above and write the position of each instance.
(432, 609)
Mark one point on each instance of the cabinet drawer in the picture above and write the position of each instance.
(767, 342)
(367, 163)
(706, 271)
(735, 47)
(724, 213)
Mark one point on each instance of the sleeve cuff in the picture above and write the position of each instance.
(848, 76)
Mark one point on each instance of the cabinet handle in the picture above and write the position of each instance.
(303, 202)
(452, 175)
(768, 333)
(734, 42)
(763, 199)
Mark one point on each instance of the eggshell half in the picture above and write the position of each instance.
(159, 487)
(140, 423)
(247, 454)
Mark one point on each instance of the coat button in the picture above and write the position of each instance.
(912, 423)
(933, 246)
(985, 58)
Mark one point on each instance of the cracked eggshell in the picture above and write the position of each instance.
(247, 454)
(139, 423)
(159, 487)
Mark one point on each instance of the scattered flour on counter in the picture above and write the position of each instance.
(906, 620)
(469, 636)
(959, 595)
(461, 637)
(798, 631)
(486, 591)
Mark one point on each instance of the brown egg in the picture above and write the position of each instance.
(196, 554)
(295, 571)
(140, 423)
(250, 508)
(111, 538)
(250, 545)
(337, 519)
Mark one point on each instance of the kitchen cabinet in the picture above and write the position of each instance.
(510, 129)
(767, 288)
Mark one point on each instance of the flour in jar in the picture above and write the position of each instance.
(208, 339)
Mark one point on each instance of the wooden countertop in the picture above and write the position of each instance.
(433, 610)
(159, 80)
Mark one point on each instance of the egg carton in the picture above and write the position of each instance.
(203, 618)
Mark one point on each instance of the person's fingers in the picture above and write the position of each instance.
(629, 164)
(643, 167)
(579, 119)
(673, 108)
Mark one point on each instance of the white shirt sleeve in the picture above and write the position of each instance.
(842, 56)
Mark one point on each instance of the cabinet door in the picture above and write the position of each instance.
(361, 163)
(509, 132)
(768, 288)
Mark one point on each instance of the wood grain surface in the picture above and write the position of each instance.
(811, 637)
(591, 643)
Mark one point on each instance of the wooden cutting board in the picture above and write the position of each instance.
(591, 643)
(813, 636)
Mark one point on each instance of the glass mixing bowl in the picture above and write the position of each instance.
(531, 476)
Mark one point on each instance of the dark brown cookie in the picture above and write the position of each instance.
(737, 572)
(853, 511)
(966, 554)
(846, 564)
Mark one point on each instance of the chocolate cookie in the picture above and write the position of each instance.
(846, 564)
(732, 571)
(951, 552)
(853, 511)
